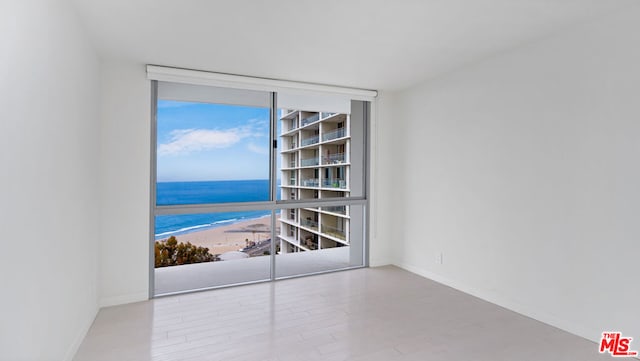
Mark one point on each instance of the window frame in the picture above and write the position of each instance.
(273, 204)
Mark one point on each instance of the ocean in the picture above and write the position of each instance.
(177, 193)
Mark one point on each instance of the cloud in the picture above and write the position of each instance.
(185, 141)
(259, 122)
(258, 149)
(258, 127)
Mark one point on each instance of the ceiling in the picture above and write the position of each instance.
(373, 44)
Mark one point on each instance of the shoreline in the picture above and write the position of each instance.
(204, 227)
(229, 237)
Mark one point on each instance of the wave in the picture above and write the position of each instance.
(200, 226)
(224, 221)
(183, 230)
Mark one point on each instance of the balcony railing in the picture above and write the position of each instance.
(312, 182)
(336, 209)
(338, 133)
(326, 115)
(290, 128)
(309, 162)
(334, 232)
(337, 158)
(293, 124)
(310, 224)
(292, 181)
(309, 141)
(292, 163)
(312, 119)
(334, 183)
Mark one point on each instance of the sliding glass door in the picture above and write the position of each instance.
(321, 166)
(246, 191)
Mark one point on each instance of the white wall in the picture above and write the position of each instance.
(384, 200)
(125, 139)
(125, 132)
(49, 204)
(523, 171)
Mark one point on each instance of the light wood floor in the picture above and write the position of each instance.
(367, 314)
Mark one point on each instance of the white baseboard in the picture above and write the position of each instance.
(123, 299)
(77, 341)
(379, 263)
(502, 301)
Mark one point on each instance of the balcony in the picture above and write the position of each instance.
(326, 115)
(334, 183)
(308, 141)
(312, 119)
(289, 128)
(310, 244)
(292, 181)
(334, 232)
(337, 158)
(335, 134)
(292, 217)
(293, 125)
(311, 182)
(309, 162)
(292, 164)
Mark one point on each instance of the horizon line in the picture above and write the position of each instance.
(212, 180)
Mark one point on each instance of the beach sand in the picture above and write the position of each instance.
(231, 237)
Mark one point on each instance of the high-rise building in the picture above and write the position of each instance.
(315, 165)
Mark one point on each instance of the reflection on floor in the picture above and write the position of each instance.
(213, 274)
(369, 314)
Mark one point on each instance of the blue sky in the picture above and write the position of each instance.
(200, 141)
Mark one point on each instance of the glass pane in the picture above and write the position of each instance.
(319, 239)
(211, 153)
(314, 155)
(196, 251)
